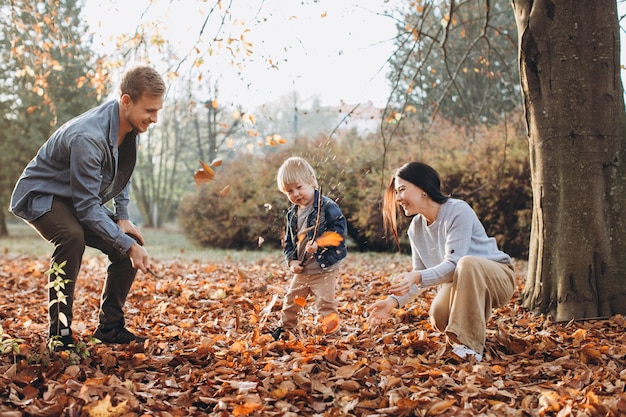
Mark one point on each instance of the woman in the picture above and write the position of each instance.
(449, 248)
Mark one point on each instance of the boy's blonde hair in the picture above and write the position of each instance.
(295, 169)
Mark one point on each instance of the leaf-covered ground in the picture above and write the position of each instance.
(210, 353)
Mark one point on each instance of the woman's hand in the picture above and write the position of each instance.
(407, 280)
(380, 311)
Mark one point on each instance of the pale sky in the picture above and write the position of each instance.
(334, 49)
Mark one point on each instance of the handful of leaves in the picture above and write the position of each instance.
(329, 238)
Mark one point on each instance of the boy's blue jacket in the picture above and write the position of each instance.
(331, 219)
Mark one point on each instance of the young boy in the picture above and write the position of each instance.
(315, 266)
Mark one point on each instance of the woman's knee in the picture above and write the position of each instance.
(440, 307)
(466, 263)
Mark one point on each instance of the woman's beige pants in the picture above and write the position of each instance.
(462, 308)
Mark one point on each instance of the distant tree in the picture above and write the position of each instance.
(159, 177)
(293, 117)
(193, 126)
(455, 60)
(48, 74)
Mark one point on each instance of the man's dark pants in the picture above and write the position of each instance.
(60, 227)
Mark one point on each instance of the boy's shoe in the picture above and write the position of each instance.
(277, 332)
(463, 352)
(118, 335)
(281, 333)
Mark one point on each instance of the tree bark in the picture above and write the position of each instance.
(4, 230)
(569, 59)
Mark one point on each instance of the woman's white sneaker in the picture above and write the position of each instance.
(463, 352)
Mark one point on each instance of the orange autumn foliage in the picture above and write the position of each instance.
(329, 238)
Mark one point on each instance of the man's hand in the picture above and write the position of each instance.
(407, 279)
(129, 228)
(139, 258)
(380, 311)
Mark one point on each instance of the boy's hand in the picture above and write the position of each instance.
(311, 247)
(295, 267)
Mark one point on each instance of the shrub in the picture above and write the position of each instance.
(491, 172)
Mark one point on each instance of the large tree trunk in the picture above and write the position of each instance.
(4, 231)
(574, 108)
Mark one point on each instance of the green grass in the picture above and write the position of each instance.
(162, 244)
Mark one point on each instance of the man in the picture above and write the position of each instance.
(86, 163)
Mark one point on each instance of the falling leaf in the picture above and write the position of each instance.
(204, 174)
(225, 190)
(216, 162)
(329, 238)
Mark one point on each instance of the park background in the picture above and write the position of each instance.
(453, 98)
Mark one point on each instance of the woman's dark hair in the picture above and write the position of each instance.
(419, 174)
(425, 177)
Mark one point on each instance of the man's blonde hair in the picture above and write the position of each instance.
(295, 169)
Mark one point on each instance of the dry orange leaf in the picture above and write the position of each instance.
(330, 323)
(579, 335)
(104, 408)
(216, 162)
(591, 351)
(440, 407)
(225, 190)
(329, 238)
(204, 174)
(237, 347)
(246, 409)
(301, 301)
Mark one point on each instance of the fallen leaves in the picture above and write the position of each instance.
(210, 352)
(104, 408)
